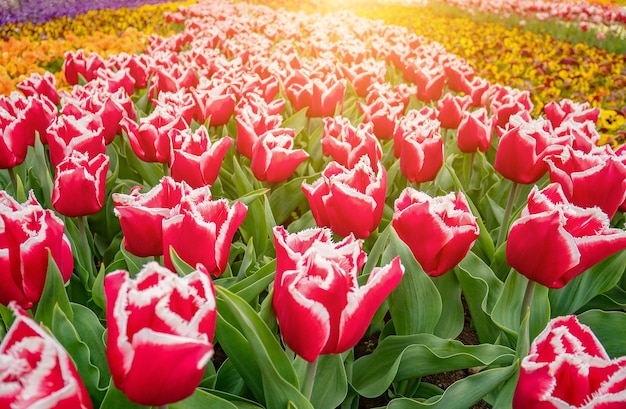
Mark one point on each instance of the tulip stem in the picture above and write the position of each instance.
(166, 169)
(13, 180)
(470, 168)
(161, 407)
(504, 228)
(309, 379)
(528, 299)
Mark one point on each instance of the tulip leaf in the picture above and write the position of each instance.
(250, 287)
(604, 325)
(596, 280)
(415, 304)
(53, 294)
(238, 401)
(331, 385)
(97, 291)
(229, 380)
(286, 198)
(614, 299)
(134, 264)
(298, 121)
(251, 196)
(200, 400)
(396, 356)
(461, 394)
(504, 396)
(481, 289)
(66, 333)
(116, 399)
(180, 265)
(91, 332)
(256, 353)
(452, 317)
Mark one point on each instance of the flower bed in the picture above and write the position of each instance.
(282, 187)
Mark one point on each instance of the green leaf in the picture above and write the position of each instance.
(180, 265)
(201, 400)
(297, 121)
(97, 291)
(250, 197)
(53, 294)
(396, 358)
(134, 264)
(605, 325)
(116, 399)
(67, 335)
(331, 385)
(463, 393)
(415, 304)
(452, 317)
(256, 353)
(596, 280)
(91, 332)
(504, 397)
(286, 198)
(238, 401)
(250, 287)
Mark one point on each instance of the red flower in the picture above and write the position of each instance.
(150, 140)
(565, 240)
(383, 115)
(38, 85)
(76, 65)
(439, 230)
(202, 230)
(318, 303)
(27, 233)
(475, 131)
(321, 97)
(349, 201)
(141, 215)
(15, 133)
(420, 146)
(346, 144)
(36, 372)
(79, 184)
(254, 117)
(451, 109)
(69, 134)
(273, 158)
(160, 328)
(568, 368)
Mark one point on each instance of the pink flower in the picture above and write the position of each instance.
(273, 158)
(346, 144)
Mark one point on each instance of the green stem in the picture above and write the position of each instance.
(81, 229)
(166, 169)
(309, 378)
(159, 259)
(161, 407)
(13, 181)
(528, 299)
(470, 168)
(504, 228)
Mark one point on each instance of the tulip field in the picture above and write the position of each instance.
(313, 204)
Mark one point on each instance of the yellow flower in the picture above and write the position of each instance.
(610, 120)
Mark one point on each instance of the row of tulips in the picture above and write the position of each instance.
(346, 134)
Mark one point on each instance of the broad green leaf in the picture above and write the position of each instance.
(596, 280)
(53, 294)
(116, 399)
(504, 397)
(605, 325)
(286, 198)
(66, 333)
(481, 289)
(256, 353)
(331, 385)
(396, 356)
(82, 249)
(91, 332)
(250, 287)
(181, 267)
(250, 197)
(298, 121)
(452, 317)
(614, 299)
(463, 393)
(201, 400)
(134, 264)
(238, 401)
(415, 304)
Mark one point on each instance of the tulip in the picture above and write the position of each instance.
(459, 74)
(273, 158)
(216, 105)
(197, 161)
(27, 233)
(523, 147)
(35, 370)
(590, 179)
(202, 230)
(141, 215)
(568, 368)
(319, 305)
(430, 78)
(150, 140)
(557, 112)
(420, 147)
(505, 102)
(69, 134)
(14, 136)
(83, 178)
(564, 239)
(76, 65)
(383, 115)
(413, 121)
(38, 85)
(475, 131)
(349, 201)
(439, 230)
(346, 144)
(159, 332)
(321, 97)
(451, 109)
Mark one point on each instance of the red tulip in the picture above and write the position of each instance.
(475, 131)
(209, 224)
(77, 64)
(69, 134)
(160, 327)
(150, 140)
(215, 104)
(346, 144)
(36, 372)
(557, 112)
(597, 178)
(439, 230)
(27, 233)
(476, 89)
(349, 201)
(322, 97)
(523, 147)
(38, 85)
(15, 133)
(568, 368)
(273, 158)
(383, 115)
(141, 215)
(79, 184)
(254, 117)
(451, 109)
(564, 239)
(412, 122)
(459, 73)
(505, 102)
(318, 303)
(420, 146)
